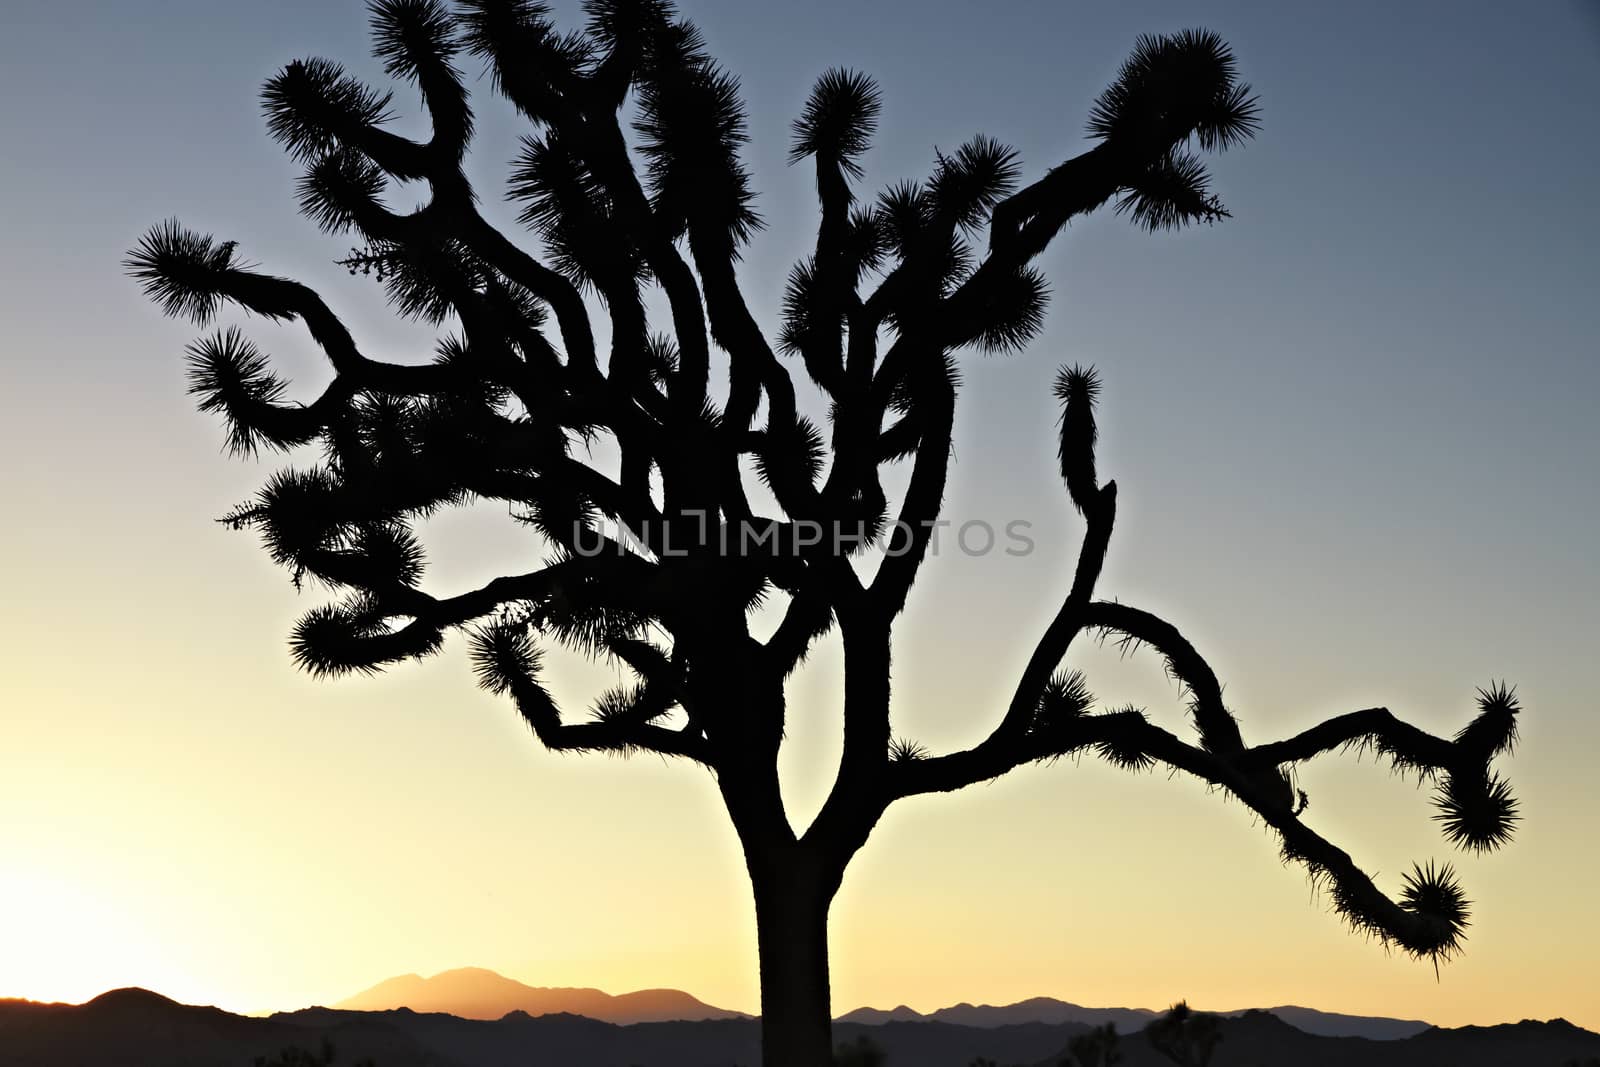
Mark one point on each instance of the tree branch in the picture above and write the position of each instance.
(1009, 745)
(1375, 727)
(1218, 730)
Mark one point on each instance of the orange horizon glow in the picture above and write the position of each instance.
(904, 932)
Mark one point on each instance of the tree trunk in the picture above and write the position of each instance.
(792, 902)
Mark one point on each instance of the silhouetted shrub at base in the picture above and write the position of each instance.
(862, 1052)
(723, 502)
(299, 1057)
(1097, 1048)
(1185, 1036)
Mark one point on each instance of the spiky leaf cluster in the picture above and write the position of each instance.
(1122, 741)
(230, 376)
(1176, 86)
(417, 42)
(691, 127)
(530, 61)
(503, 653)
(1078, 388)
(838, 121)
(312, 105)
(905, 750)
(1433, 894)
(413, 38)
(1171, 193)
(339, 188)
(1477, 811)
(1494, 731)
(1065, 697)
(572, 211)
(1171, 91)
(969, 182)
(180, 269)
(354, 637)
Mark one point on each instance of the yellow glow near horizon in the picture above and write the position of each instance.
(64, 939)
(284, 842)
(982, 897)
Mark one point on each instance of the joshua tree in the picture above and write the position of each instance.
(862, 1052)
(1097, 1048)
(1185, 1036)
(299, 1057)
(660, 559)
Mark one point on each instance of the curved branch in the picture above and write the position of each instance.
(441, 613)
(1427, 924)
(1218, 730)
(924, 496)
(282, 298)
(453, 201)
(1009, 745)
(617, 738)
(808, 617)
(1377, 727)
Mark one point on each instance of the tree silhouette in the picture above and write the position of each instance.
(1097, 1048)
(1185, 1036)
(299, 1057)
(862, 1052)
(724, 496)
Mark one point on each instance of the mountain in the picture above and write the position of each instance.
(877, 1016)
(1132, 1020)
(987, 1016)
(1333, 1024)
(1261, 1039)
(1044, 1010)
(475, 993)
(135, 1028)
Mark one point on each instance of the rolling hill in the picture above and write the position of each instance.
(136, 1028)
(1128, 1020)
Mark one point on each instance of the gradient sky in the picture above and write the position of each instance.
(1352, 427)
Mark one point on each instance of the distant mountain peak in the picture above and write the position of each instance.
(479, 993)
(1338, 1024)
(132, 997)
(877, 1016)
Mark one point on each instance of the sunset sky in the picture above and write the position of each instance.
(1353, 430)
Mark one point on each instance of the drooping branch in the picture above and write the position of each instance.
(507, 663)
(1048, 718)
(355, 636)
(1427, 921)
(192, 274)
